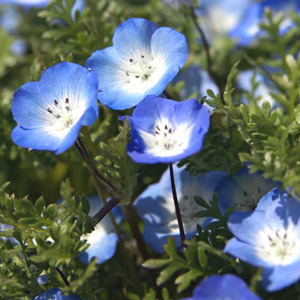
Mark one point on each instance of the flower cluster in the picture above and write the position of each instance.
(221, 215)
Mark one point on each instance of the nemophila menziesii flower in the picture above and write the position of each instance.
(222, 287)
(51, 112)
(155, 206)
(143, 60)
(269, 238)
(243, 190)
(219, 17)
(103, 240)
(55, 294)
(165, 131)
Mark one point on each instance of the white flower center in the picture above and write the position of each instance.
(249, 199)
(142, 70)
(166, 139)
(60, 117)
(280, 247)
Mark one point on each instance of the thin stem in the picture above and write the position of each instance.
(107, 208)
(83, 152)
(177, 208)
(63, 276)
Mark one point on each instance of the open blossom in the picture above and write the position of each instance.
(155, 206)
(222, 287)
(51, 112)
(243, 190)
(269, 238)
(142, 61)
(165, 131)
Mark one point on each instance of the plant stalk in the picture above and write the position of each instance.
(177, 208)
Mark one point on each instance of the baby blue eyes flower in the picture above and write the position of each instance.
(142, 61)
(155, 206)
(243, 190)
(51, 112)
(222, 287)
(103, 240)
(165, 131)
(269, 238)
(55, 294)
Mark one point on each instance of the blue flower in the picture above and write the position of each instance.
(55, 294)
(3, 229)
(142, 61)
(155, 206)
(103, 241)
(43, 279)
(269, 238)
(222, 287)
(243, 189)
(51, 112)
(222, 16)
(165, 131)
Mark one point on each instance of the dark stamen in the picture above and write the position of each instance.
(127, 73)
(149, 67)
(166, 127)
(259, 190)
(142, 56)
(58, 116)
(67, 108)
(49, 110)
(157, 127)
(137, 76)
(170, 130)
(67, 100)
(131, 60)
(55, 102)
(156, 132)
(245, 193)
